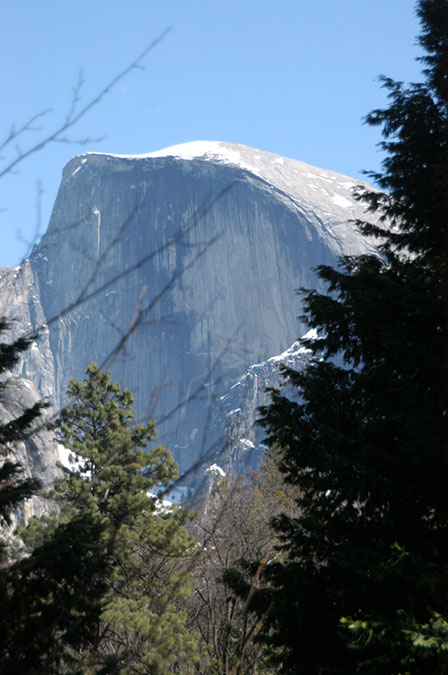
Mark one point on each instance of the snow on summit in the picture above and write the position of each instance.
(310, 188)
(195, 149)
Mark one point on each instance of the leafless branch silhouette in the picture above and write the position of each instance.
(72, 116)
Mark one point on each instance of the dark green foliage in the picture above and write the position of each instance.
(55, 599)
(13, 487)
(102, 586)
(364, 585)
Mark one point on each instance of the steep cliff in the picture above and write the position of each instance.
(38, 454)
(33, 379)
(236, 415)
(178, 270)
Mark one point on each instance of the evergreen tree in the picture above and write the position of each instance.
(364, 585)
(104, 582)
(13, 486)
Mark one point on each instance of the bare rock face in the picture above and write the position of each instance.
(20, 304)
(36, 455)
(32, 380)
(236, 416)
(177, 271)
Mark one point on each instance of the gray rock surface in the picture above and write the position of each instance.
(236, 414)
(38, 454)
(20, 304)
(178, 271)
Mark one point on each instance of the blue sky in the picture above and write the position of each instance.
(293, 77)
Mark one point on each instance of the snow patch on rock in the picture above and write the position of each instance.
(303, 183)
(216, 470)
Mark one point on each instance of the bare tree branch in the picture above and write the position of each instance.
(72, 117)
(28, 126)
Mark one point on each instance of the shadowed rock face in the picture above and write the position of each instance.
(194, 254)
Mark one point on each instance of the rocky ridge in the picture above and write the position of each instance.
(178, 271)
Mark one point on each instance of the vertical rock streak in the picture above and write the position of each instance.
(221, 240)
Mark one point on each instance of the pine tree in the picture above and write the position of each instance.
(102, 588)
(364, 586)
(14, 488)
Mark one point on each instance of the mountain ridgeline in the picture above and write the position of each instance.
(178, 271)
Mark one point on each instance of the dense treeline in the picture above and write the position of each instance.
(116, 579)
(100, 584)
(334, 558)
(363, 586)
